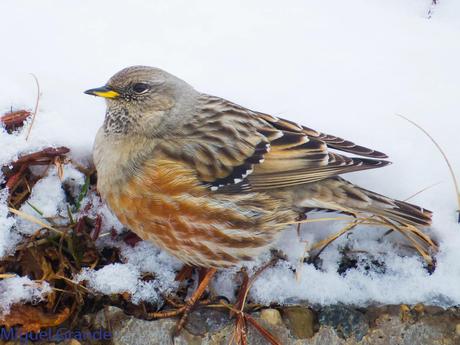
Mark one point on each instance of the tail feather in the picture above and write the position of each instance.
(405, 213)
(343, 196)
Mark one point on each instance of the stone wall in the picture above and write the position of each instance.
(333, 325)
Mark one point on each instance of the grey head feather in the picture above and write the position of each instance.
(167, 102)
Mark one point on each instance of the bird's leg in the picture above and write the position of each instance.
(242, 293)
(300, 217)
(190, 303)
(298, 230)
(184, 310)
(184, 273)
(242, 319)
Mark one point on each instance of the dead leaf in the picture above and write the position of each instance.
(32, 319)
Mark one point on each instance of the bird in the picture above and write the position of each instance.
(215, 183)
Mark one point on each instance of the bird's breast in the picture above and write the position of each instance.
(165, 203)
(116, 158)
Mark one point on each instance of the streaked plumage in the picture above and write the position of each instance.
(213, 182)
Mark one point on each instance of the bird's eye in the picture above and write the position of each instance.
(140, 88)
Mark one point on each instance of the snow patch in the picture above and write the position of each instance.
(20, 290)
(142, 259)
(344, 68)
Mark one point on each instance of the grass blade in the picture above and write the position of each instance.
(451, 170)
(82, 194)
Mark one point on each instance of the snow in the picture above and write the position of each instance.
(105, 280)
(343, 67)
(45, 200)
(108, 220)
(127, 277)
(20, 289)
(7, 239)
(48, 199)
(404, 280)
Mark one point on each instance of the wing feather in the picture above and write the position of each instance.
(235, 149)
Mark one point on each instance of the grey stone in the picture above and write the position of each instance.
(141, 332)
(390, 329)
(345, 320)
(279, 332)
(206, 320)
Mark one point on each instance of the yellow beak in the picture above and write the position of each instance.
(103, 91)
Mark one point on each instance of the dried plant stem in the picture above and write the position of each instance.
(7, 275)
(33, 219)
(407, 230)
(451, 170)
(411, 239)
(314, 220)
(37, 101)
(421, 191)
(324, 243)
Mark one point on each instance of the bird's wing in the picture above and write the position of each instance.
(232, 148)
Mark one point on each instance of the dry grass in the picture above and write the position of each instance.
(444, 156)
(37, 102)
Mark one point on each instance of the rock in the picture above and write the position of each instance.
(339, 325)
(279, 332)
(347, 321)
(206, 320)
(141, 332)
(419, 308)
(327, 336)
(109, 318)
(271, 316)
(390, 329)
(300, 321)
(189, 339)
(405, 313)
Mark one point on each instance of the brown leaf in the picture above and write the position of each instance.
(14, 119)
(29, 265)
(32, 319)
(44, 156)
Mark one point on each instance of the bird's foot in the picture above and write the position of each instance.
(243, 318)
(184, 310)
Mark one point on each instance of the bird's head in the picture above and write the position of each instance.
(139, 98)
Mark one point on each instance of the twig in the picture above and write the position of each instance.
(97, 228)
(431, 8)
(73, 282)
(37, 101)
